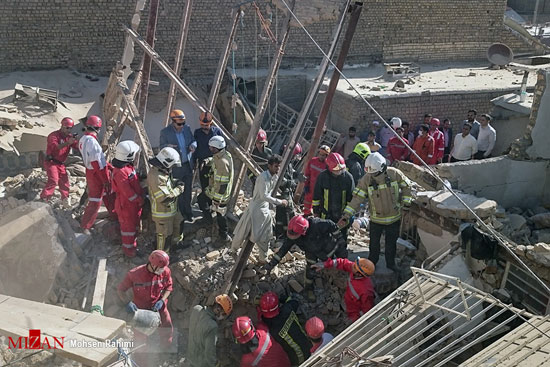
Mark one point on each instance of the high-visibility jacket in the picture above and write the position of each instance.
(424, 147)
(221, 177)
(439, 145)
(332, 194)
(162, 193)
(360, 293)
(386, 193)
(268, 354)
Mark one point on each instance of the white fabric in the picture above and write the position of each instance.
(385, 135)
(486, 139)
(256, 222)
(464, 148)
(327, 338)
(91, 151)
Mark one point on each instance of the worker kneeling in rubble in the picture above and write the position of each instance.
(360, 293)
(320, 239)
(284, 326)
(258, 347)
(163, 194)
(151, 284)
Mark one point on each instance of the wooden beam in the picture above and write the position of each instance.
(238, 269)
(146, 71)
(98, 298)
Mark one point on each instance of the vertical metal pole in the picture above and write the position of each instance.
(536, 12)
(180, 50)
(150, 38)
(316, 138)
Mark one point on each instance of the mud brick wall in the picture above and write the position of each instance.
(87, 35)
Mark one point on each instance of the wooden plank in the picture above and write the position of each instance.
(100, 284)
(238, 268)
(99, 327)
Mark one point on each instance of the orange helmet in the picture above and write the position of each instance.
(315, 328)
(177, 114)
(226, 303)
(365, 267)
(205, 118)
(67, 122)
(243, 329)
(269, 305)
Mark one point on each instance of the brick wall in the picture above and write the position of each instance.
(86, 35)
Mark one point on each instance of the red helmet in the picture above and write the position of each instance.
(159, 259)
(269, 305)
(298, 225)
(435, 122)
(67, 122)
(243, 329)
(315, 328)
(94, 121)
(335, 162)
(297, 149)
(262, 136)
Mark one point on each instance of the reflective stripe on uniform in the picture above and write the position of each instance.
(128, 245)
(316, 202)
(349, 210)
(133, 197)
(95, 200)
(262, 351)
(317, 168)
(127, 233)
(358, 192)
(385, 220)
(223, 179)
(325, 203)
(352, 290)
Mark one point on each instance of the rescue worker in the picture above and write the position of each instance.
(423, 146)
(313, 168)
(259, 348)
(387, 191)
(356, 161)
(319, 238)
(164, 193)
(260, 154)
(129, 195)
(284, 326)
(216, 194)
(203, 331)
(151, 284)
(97, 173)
(333, 191)
(202, 137)
(283, 213)
(360, 295)
(59, 144)
(398, 151)
(315, 330)
(439, 141)
(256, 222)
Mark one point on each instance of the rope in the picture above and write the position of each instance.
(430, 170)
(265, 24)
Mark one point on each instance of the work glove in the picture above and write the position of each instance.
(158, 305)
(342, 222)
(131, 307)
(318, 266)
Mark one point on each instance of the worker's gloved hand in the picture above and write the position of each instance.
(284, 202)
(131, 307)
(342, 222)
(158, 305)
(318, 266)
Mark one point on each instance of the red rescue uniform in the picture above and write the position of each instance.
(268, 354)
(397, 151)
(55, 165)
(148, 289)
(360, 294)
(439, 146)
(424, 147)
(313, 169)
(128, 203)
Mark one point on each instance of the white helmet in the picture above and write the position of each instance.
(169, 157)
(396, 122)
(375, 163)
(126, 151)
(217, 142)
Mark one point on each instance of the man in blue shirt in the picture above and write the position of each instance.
(202, 137)
(178, 136)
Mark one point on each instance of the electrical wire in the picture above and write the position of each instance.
(430, 170)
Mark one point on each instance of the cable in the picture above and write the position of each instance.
(430, 170)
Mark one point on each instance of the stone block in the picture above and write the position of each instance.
(542, 248)
(295, 285)
(212, 255)
(541, 220)
(516, 221)
(445, 204)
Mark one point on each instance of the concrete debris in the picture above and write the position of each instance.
(446, 205)
(212, 255)
(295, 285)
(541, 220)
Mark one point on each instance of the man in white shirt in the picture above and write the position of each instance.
(346, 144)
(486, 138)
(465, 145)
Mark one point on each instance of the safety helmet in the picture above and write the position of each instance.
(126, 151)
(363, 266)
(217, 142)
(362, 150)
(335, 162)
(261, 137)
(297, 149)
(435, 122)
(375, 163)
(94, 121)
(298, 225)
(226, 303)
(168, 157)
(177, 114)
(159, 259)
(396, 122)
(243, 329)
(324, 148)
(315, 327)
(67, 122)
(205, 118)
(269, 305)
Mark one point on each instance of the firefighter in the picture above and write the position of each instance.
(163, 193)
(315, 330)
(356, 161)
(97, 174)
(260, 154)
(387, 191)
(129, 195)
(319, 238)
(333, 191)
(59, 146)
(313, 168)
(151, 285)
(288, 186)
(259, 348)
(284, 326)
(216, 195)
(359, 297)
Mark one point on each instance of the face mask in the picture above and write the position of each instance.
(420, 133)
(159, 271)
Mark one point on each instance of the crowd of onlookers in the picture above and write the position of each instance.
(432, 140)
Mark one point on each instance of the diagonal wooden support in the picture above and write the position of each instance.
(146, 71)
(238, 268)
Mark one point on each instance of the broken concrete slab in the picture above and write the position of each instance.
(516, 221)
(541, 220)
(448, 206)
(418, 174)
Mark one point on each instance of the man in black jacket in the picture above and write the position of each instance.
(356, 161)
